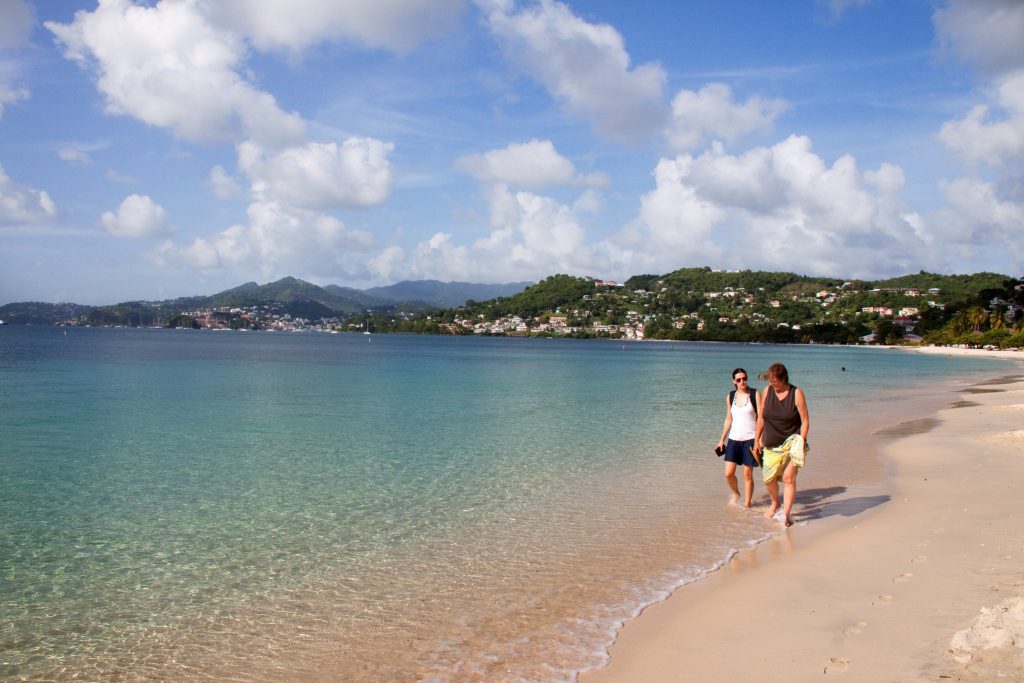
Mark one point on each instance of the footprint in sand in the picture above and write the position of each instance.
(919, 559)
(902, 578)
(855, 629)
(837, 665)
(883, 599)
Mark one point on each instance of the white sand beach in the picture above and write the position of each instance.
(918, 579)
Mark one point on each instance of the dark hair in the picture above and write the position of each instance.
(738, 370)
(778, 371)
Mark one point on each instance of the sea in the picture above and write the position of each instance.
(196, 504)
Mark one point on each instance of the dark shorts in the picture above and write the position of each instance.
(740, 453)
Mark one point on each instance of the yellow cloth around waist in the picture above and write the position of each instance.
(775, 459)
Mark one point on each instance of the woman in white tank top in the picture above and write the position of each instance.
(737, 442)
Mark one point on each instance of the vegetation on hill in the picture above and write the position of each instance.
(685, 304)
(703, 304)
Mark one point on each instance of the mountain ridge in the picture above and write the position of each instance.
(295, 296)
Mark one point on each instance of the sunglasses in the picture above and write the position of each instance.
(740, 379)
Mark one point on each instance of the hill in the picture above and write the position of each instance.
(445, 294)
(288, 296)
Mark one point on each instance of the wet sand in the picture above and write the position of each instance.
(920, 577)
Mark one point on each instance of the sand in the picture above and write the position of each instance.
(920, 578)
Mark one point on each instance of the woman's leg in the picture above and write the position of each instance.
(773, 493)
(789, 487)
(748, 485)
(730, 479)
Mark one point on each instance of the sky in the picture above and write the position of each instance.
(150, 150)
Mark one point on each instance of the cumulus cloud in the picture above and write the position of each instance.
(530, 234)
(711, 114)
(984, 211)
(584, 66)
(355, 173)
(223, 185)
(396, 25)
(779, 208)
(168, 66)
(984, 137)
(987, 33)
(978, 228)
(530, 165)
(279, 240)
(20, 205)
(137, 217)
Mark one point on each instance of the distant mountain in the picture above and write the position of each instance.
(289, 295)
(39, 313)
(445, 294)
(316, 301)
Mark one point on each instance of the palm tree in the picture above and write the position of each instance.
(977, 316)
(997, 319)
(961, 322)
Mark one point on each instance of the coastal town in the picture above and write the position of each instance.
(687, 304)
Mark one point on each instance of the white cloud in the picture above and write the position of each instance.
(396, 25)
(355, 173)
(10, 93)
(979, 227)
(20, 205)
(223, 185)
(530, 165)
(981, 139)
(778, 208)
(169, 67)
(388, 265)
(279, 240)
(711, 114)
(74, 155)
(530, 234)
(584, 66)
(988, 33)
(138, 216)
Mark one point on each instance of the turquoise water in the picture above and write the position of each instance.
(184, 504)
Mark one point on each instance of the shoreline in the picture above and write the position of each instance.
(878, 583)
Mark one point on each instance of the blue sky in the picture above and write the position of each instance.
(151, 150)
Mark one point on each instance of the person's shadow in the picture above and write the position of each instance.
(825, 502)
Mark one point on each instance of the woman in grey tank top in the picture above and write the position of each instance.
(783, 414)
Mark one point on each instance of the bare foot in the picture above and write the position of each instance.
(734, 499)
(770, 512)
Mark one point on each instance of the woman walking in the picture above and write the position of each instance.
(737, 440)
(781, 438)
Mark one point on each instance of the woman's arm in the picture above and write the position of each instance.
(758, 447)
(801, 407)
(728, 422)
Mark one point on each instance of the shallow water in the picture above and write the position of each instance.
(182, 505)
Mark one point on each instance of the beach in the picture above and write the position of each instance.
(917, 579)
